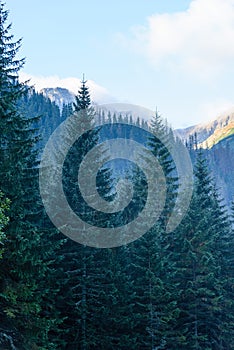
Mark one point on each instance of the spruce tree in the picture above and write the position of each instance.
(4, 207)
(159, 140)
(227, 274)
(83, 299)
(198, 245)
(28, 251)
(151, 267)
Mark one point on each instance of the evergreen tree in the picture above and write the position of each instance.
(46, 113)
(67, 111)
(198, 244)
(227, 274)
(83, 100)
(87, 269)
(4, 207)
(151, 267)
(155, 298)
(232, 212)
(158, 144)
(24, 288)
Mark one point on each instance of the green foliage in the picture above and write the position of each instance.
(26, 273)
(4, 208)
(163, 291)
(83, 100)
(200, 269)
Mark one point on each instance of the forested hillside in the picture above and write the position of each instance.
(164, 290)
(216, 137)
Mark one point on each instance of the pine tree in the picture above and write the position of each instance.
(198, 243)
(158, 144)
(67, 111)
(151, 267)
(4, 207)
(28, 251)
(83, 99)
(232, 212)
(155, 310)
(46, 114)
(227, 274)
(86, 269)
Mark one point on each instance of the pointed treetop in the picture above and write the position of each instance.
(82, 99)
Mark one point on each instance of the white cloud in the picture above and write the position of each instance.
(199, 40)
(98, 93)
(211, 110)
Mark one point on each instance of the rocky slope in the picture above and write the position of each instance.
(210, 133)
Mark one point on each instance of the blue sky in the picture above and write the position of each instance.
(177, 56)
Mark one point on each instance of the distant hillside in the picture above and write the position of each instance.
(221, 162)
(65, 92)
(216, 136)
(63, 96)
(129, 109)
(210, 133)
(58, 95)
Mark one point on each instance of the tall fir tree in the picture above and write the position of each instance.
(25, 267)
(151, 267)
(198, 247)
(87, 270)
(161, 137)
(4, 208)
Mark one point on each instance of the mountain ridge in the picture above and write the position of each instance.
(208, 133)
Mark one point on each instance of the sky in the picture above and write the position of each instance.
(176, 56)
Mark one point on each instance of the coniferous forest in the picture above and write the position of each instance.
(162, 291)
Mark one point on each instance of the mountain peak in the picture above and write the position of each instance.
(210, 133)
(98, 93)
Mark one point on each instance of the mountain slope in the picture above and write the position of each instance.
(209, 133)
(63, 96)
(59, 95)
(216, 136)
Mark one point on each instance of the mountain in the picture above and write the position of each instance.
(128, 109)
(210, 133)
(63, 96)
(66, 88)
(63, 90)
(216, 136)
(59, 95)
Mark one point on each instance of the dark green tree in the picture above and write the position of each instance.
(198, 246)
(67, 111)
(158, 143)
(89, 284)
(4, 207)
(25, 269)
(83, 100)
(151, 266)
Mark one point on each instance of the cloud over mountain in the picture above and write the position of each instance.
(98, 93)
